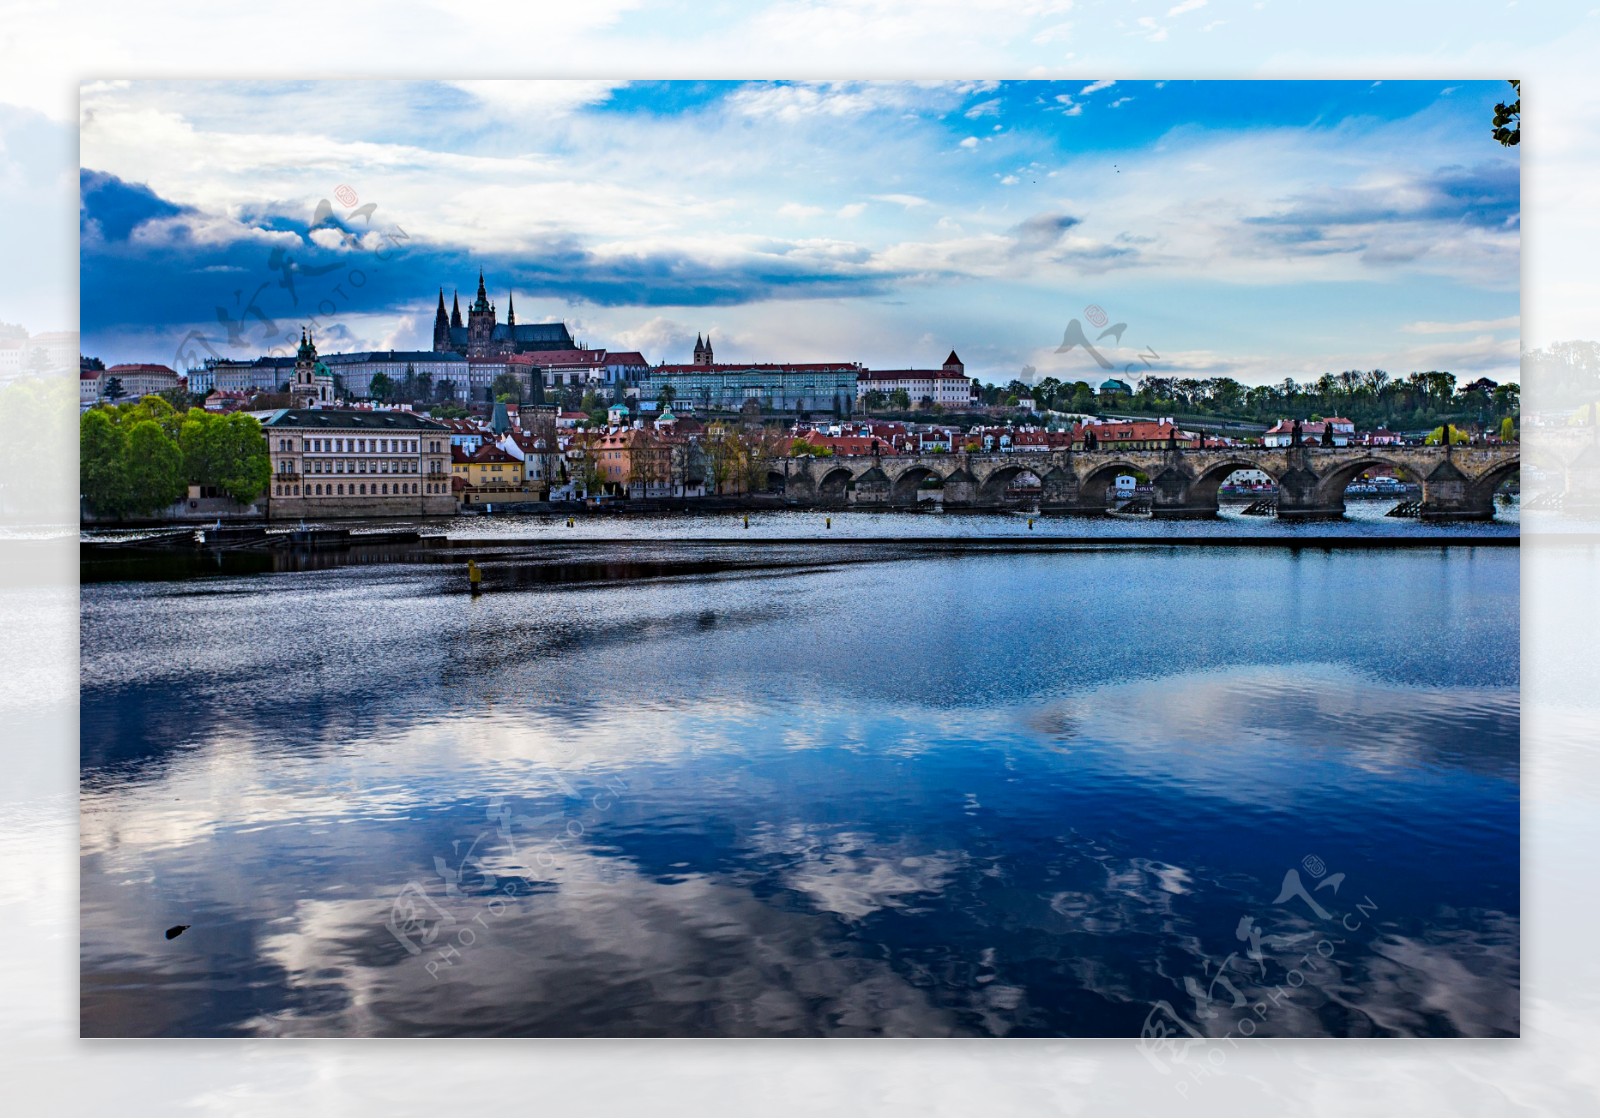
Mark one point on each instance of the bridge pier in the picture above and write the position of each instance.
(1447, 495)
(1172, 497)
(1301, 496)
(960, 489)
(873, 487)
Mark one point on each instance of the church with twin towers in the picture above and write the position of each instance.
(481, 335)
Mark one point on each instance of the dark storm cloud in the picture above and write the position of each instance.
(260, 274)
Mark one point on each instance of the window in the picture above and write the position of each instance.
(363, 489)
(341, 489)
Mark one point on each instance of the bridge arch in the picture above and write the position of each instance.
(832, 487)
(1331, 486)
(1484, 487)
(994, 487)
(907, 486)
(1204, 489)
(1096, 484)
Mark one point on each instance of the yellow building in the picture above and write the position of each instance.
(489, 475)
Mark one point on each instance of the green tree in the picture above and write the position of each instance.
(153, 468)
(1508, 430)
(228, 452)
(179, 398)
(381, 387)
(153, 408)
(102, 463)
(511, 385)
(1508, 118)
(900, 400)
(112, 390)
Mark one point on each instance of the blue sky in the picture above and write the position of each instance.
(1252, 229)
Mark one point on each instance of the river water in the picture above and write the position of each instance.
(1237, 791)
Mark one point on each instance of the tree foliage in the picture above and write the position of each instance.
(136, 459)
(227, 452)
(510, 387)
(1508, 118)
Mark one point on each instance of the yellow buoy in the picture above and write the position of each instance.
(747, 520)
(1030, 522)
(474, 576)
(830, 522)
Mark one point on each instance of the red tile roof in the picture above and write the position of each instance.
(490, 453)
(558, 357)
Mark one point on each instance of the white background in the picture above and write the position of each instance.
(45, 50)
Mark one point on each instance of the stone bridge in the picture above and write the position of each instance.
(1457, 483)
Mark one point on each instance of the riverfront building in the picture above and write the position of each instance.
(332, 463)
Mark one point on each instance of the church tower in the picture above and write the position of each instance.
(441, 327)
(702, 350)
(455, 310)
(511, 308)
(313, 384)
(480, 323)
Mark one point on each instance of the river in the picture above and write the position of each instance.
(1254, 791)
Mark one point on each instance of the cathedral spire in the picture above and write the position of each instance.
(511, 308)
(455, 310)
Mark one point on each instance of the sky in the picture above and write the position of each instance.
(1251, 229)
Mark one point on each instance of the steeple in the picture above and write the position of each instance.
(441, 327)
(455, 310)
(480, 304)
(511, 308)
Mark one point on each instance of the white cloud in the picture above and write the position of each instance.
(1185, 6)
(799, 210)
(852, 210)
(1096, 87)
(907, 200)
(989, 108)
(520, 98)
(1510, 322)
(970, 142)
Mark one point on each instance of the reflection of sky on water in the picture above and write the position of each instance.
(1007, 794)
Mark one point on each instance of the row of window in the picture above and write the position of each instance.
(384, 489)
(364, 446)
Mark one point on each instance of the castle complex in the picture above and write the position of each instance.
(481, 336)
